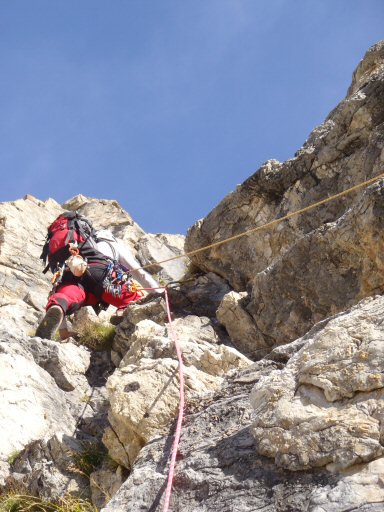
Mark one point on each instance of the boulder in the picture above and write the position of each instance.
(144, 403)
(233, 315)
(144, 391)
(154, 248)
(32, 405)
(325, 408)
(66, 363)
(198, 341)
(51, 468)
(135, 313)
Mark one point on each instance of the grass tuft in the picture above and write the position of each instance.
(13, 502)
(89, 459)
(97, 336)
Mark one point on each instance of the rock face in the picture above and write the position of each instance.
(23, 225)
(281, 334)
(232, 313)
(304, 269)
(318, 402)
(32, 404)
(161, 247)
(325, 408)
(144, 390)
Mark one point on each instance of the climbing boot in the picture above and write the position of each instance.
(50, 323)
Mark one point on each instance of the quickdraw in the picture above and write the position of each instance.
(57, 277)
(116, 277)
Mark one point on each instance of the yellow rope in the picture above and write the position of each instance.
(268, 224)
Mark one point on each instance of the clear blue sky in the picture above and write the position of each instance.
(166, 105)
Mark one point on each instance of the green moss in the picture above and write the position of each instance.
(13, 456)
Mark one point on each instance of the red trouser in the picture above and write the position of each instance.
(71, 297)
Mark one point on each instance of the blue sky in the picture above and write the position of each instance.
(166, 105)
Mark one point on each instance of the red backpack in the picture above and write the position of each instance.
(69, 227)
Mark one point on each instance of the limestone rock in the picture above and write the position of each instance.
(144, 402)
(86, 316)
(18, 317)
(144, 391)
(76, 202)
(325, 408)
(155, 310)
(32, 405)
(358, 489)
(240, 325)
(217, 468)
(49, 468)
(198, 341)
(298, 270)
(160, 247)
(107, 214)
(105, 483)
(4, 472)
(23, 226)
(117, 451)
(324, 272)
(199, 295)
(66, 363)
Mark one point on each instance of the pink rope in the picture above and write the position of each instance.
(176, 441)
(181, 407)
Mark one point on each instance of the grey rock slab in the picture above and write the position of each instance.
(49, 469)
(155, 248)
(217, 468)
(326, 408)
(323, 273)
(65, 362)
(31, 403)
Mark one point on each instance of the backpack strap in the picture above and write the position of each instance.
(45, 251)
(115, 254)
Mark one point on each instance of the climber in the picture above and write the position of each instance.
(87, 272)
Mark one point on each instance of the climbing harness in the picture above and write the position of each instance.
(115, 278)
(57, 278)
